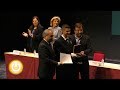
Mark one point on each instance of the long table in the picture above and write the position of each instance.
(24, 65)
(21, 65)
(99, 70)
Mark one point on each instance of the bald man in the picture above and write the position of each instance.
(47, 63)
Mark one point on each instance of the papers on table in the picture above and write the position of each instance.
(16, 52)
(65, 58)
(24, 53)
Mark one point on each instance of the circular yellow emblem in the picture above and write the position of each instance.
(16, 67)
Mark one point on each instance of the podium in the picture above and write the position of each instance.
(21, 65)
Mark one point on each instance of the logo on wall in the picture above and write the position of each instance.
(16, 67)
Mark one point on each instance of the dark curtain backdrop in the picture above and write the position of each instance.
(97, 24)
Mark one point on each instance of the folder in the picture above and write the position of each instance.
(76, 48)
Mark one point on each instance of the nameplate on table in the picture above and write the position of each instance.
(16, 52)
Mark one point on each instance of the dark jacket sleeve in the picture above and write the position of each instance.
(57, 47)
(89, 46)
(44, 55)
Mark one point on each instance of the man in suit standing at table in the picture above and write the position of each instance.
(82, 47)
(47, 63)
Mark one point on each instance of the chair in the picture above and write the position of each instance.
(98, 56)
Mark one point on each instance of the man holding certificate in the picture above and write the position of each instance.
(81, 49)
(63, 48)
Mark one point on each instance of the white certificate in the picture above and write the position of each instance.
(65, 58)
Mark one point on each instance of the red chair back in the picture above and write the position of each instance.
(98, 56)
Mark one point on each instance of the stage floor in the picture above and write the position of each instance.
(2, 70)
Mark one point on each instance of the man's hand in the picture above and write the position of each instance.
(81, 53)
(73, 55)
(59, 63)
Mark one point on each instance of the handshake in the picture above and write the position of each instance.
(78, 54)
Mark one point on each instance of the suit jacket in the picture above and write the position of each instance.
(61, 46)
(85, 44)
(46, 60)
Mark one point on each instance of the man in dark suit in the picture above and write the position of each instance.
(64, 45)
(47, 63)
(82, 47)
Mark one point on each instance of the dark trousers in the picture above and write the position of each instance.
(83, 69)
(46, 77)
(66, 72)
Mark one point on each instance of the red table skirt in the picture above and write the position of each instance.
(30, 69)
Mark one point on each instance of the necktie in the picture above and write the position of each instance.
(67, 40)
(50, 45)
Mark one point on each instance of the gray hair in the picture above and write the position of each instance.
(46, 32)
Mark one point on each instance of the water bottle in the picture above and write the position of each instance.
(34, 52)
(102, 62)
(24, 51)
